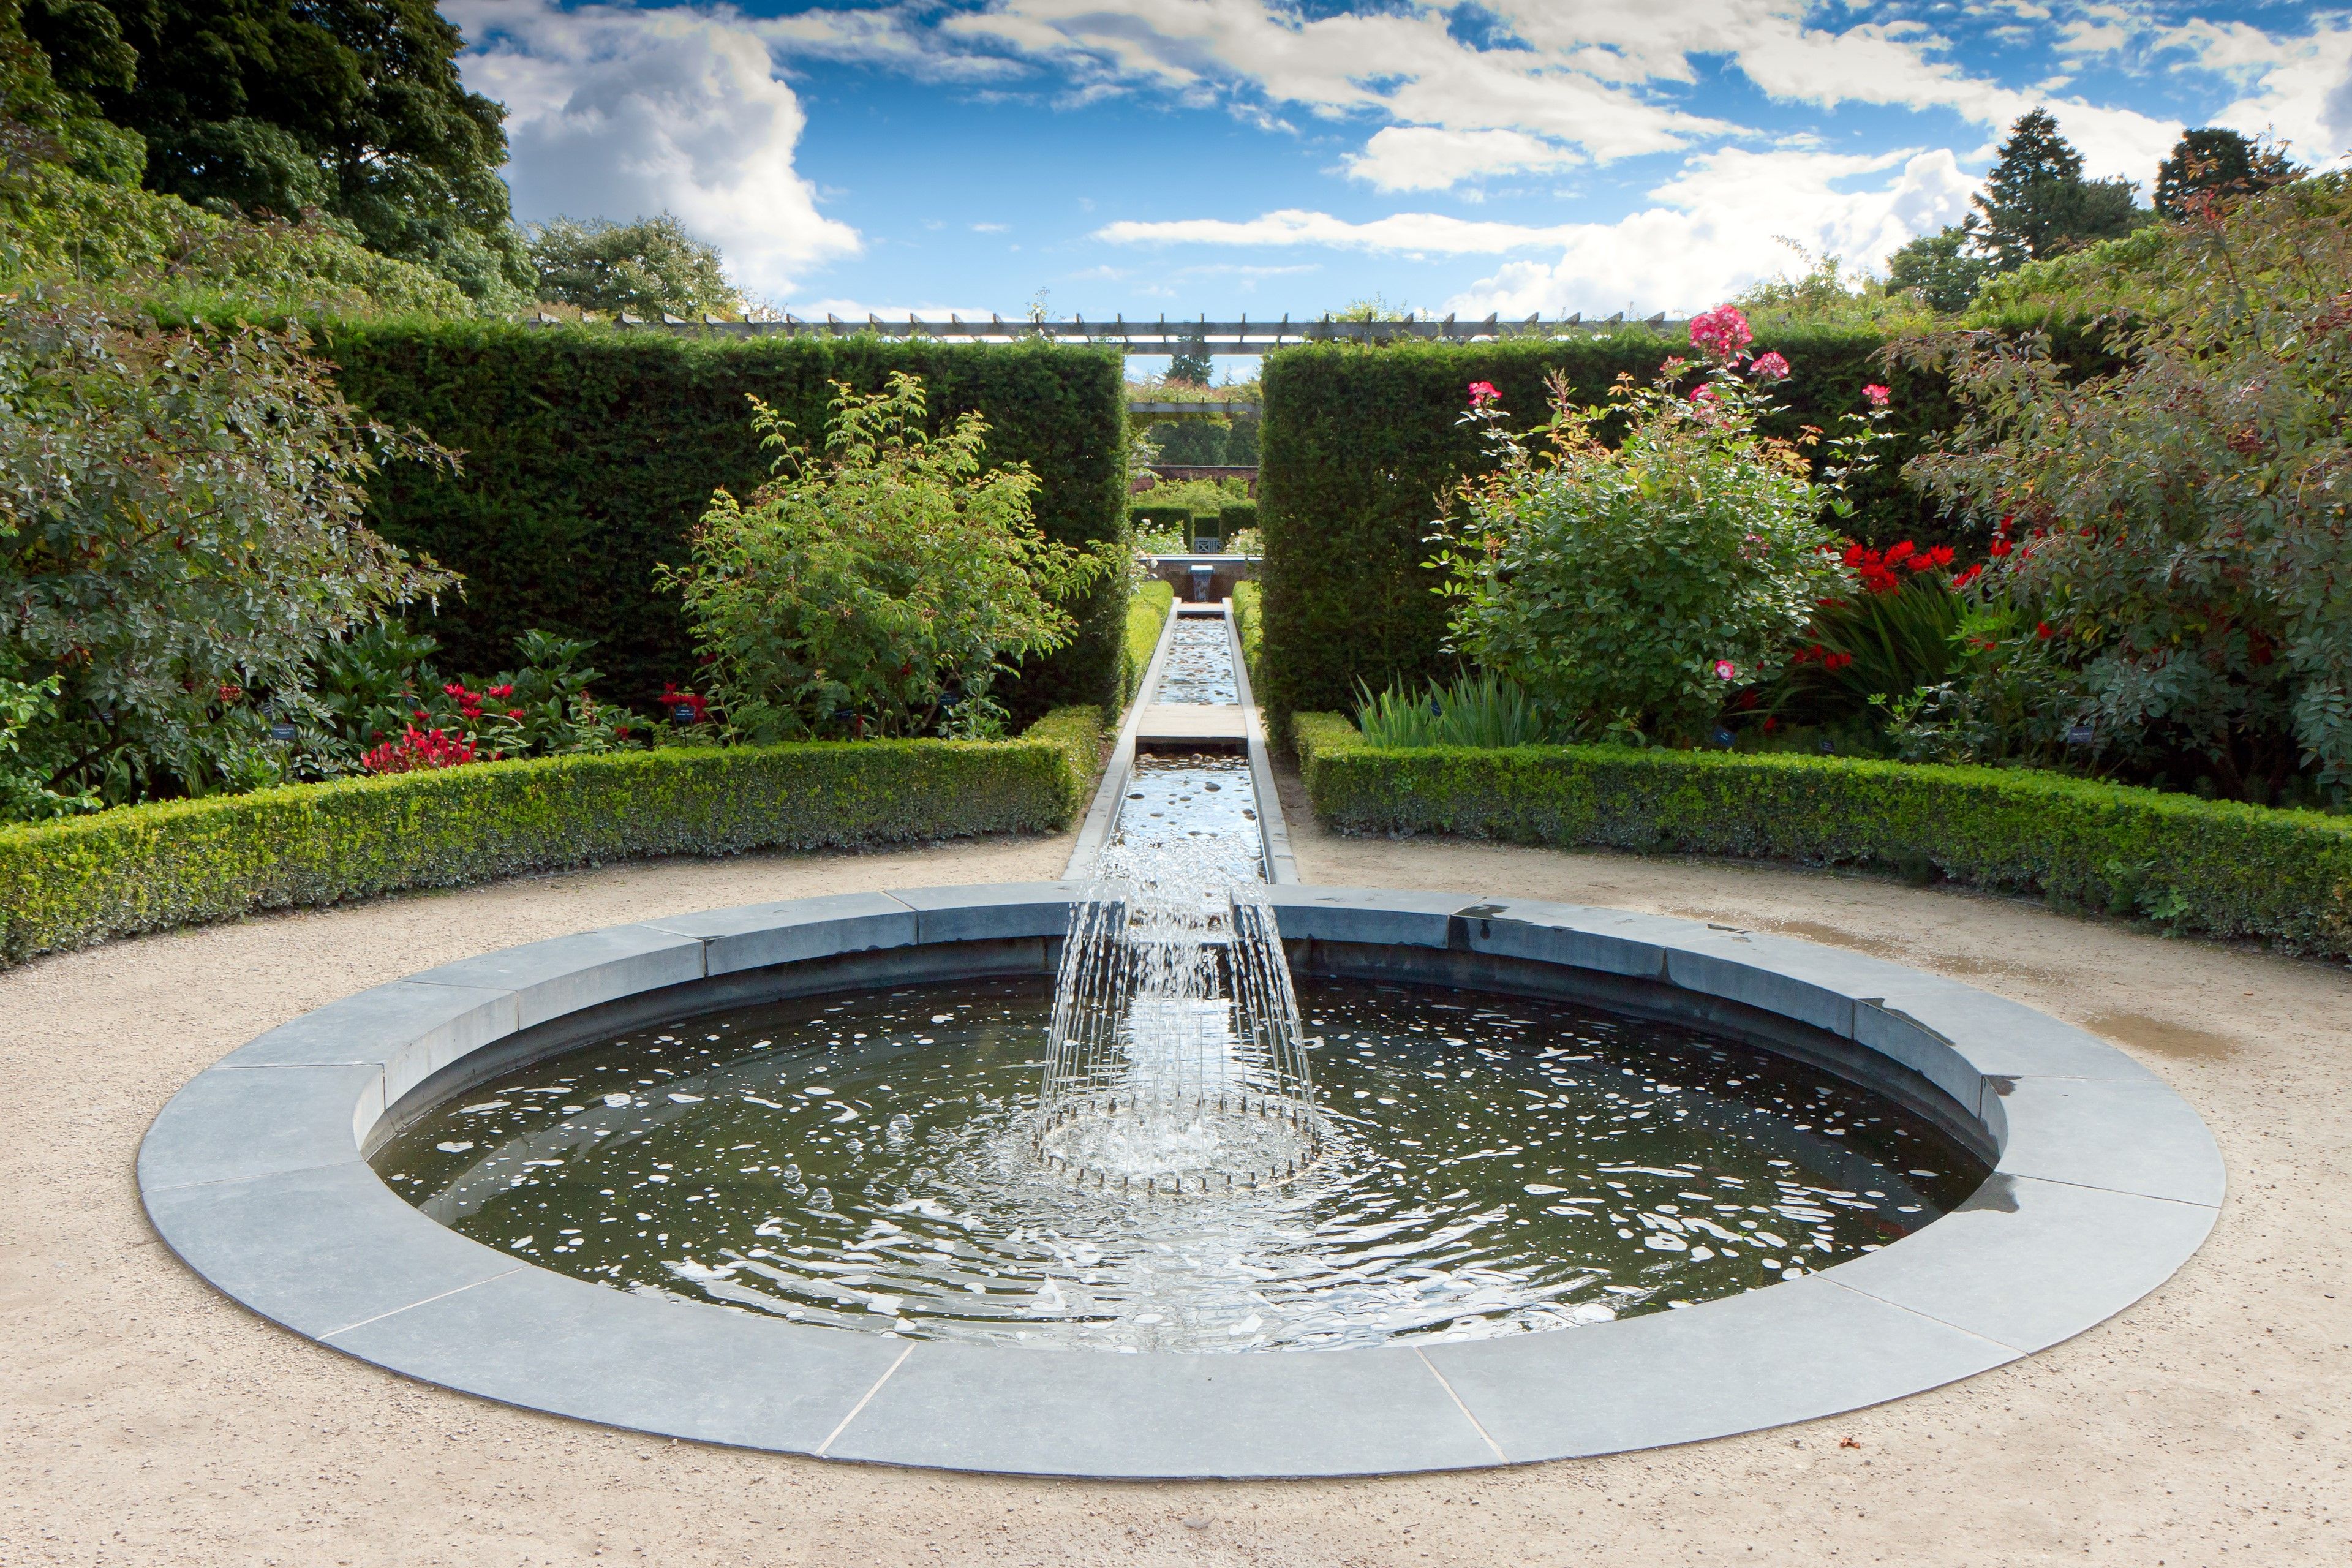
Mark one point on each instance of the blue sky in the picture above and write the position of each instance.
(1230, 156)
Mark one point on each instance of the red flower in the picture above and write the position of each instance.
(499, 691)
(1879, 395)
(1934, 559)
(1969, 576)
(1722, 332)
(2000, 547)
(1481, 392)
(418, 750)
(2041, 629)
(1836, 661)
(231, 692)
(514, 712)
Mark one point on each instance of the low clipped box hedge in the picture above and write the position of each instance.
(2216, 867)
(1249, 626)
(1147, 617)
(149, 868)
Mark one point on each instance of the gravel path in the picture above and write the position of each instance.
(143, 1419)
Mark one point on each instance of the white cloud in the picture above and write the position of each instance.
(1429, 158)
(614, 111)
(1423, 234)
(2299, 88)
(1710, 232)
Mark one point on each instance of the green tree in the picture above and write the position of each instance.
(53, 114)
(352, 106)
(1943, 268)
(643, 267)
(2036, 203)
(1190, 365)
(2221, 162)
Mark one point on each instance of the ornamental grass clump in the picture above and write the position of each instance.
(1631, 589)
(878, 587)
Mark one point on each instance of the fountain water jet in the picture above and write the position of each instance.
(1174, 1061)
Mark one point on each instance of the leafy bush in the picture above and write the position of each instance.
(1473, 710)
(643, 267)
(2217, 867)
(589, 452)
(180, 532)
(1361, 442)
(1632, 589)
(1884, 642)
(880, 589)
(1147, 617)
(2178, 527)
(1249, 625)
(150, 868)
(379, 683)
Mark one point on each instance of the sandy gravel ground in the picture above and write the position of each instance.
(144, 1419)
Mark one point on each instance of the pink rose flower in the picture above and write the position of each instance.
(1771, 367)
(1722, 331)
(1877, 394)
(1481, 392)
(1726, 670)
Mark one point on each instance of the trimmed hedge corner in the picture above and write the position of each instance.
(590, 453)
(1146, 615)
(1358, 443)
(2216, 867)
(1249, 625)
(149, 868)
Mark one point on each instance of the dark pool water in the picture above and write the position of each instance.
(1498, 1165)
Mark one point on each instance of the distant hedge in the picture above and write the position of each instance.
(1147, 617)
(1359, 442)
(150, 868)
(589, 452)
(2211, 866)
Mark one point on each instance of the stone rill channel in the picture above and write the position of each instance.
(1171, 1148)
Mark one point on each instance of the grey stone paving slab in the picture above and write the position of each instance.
(566, 973)
(2003, 1038)
(757, 935)
(1790, 1352)
(2031, 1263)
(1088, 1414)
(1562, 934)
(1364, 914)
(2127, 1136)
(680, 1369)
(1762, 972)
(318, 1250)
(376, 1026)
(991, 910)
(228, 1125)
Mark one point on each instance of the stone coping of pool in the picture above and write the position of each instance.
(2105, 1181)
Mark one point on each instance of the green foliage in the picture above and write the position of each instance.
(1943, 270)
(2036, 203)
(1632, 589)
(1871, 648)
(2180, 526)
(1147, 617)
(2215, 866)
(1190, 365)
(589, 452)
(374, 685)
(271, 106)
(1826, 295)
(642, 267)
(179, 531)
(1471, 710)
(1234, 519)
(2217, 164)
(152, 867)
(1249, 625)
(1361, 442)
(881, 588)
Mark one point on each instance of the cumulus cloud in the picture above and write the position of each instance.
(1707, 234)
(1432, 158)
(618, 112)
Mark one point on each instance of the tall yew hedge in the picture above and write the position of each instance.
(588, 452)
(1358, 443)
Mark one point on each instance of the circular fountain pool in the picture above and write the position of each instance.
(1494, 1165)
(258, 1173)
